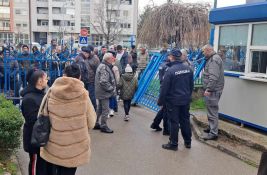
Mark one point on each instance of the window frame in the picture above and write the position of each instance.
(250, 49)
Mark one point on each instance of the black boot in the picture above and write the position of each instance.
(106, 129)
(157, 128)
(97, 126)
(207, 130)
(170, 146)
(166, 132)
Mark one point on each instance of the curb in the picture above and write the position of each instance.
(246, 142)
(215, 144)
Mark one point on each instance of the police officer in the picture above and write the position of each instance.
(176, 94)
(162, 112)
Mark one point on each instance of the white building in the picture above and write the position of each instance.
(21, 21)
(58, 19)
(122, 20)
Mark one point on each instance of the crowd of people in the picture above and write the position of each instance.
(53, 60)
(83, 98)
(87, 95)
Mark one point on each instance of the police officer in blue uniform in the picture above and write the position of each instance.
(161, 115)
(175, 94)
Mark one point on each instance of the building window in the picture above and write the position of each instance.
(42, 10)
(129, 26)
(125, 13)
(56, 10)
(259, 35)
(4, 23)
(25, 25)
(233, 47)
(42, 35)
(56, 22)
(42, 22)
(18, 25)
(18, 11)
(259, 62)
(127, 2)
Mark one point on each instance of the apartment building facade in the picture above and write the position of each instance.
(59, 19)
(116, 18)
(6, 21)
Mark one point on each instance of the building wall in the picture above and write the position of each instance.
(128, 15)
(6, 21)
(21, 21)
(245, 100)
(48, 17)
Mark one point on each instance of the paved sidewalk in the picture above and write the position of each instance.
(135, 149)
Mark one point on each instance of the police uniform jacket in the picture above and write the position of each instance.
(177, 85)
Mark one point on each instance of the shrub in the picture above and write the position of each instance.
(11, 121)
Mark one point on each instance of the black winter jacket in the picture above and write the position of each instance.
(124, 61)
(177, 85)
(31, 102)
(80, 60)
(162, 69)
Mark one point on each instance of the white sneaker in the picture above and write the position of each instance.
(126, 118)
(111, 113)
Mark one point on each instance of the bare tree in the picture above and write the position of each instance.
(107, 20)
(185, 24)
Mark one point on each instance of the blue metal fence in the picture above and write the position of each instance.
(13, 75)
(149, 85)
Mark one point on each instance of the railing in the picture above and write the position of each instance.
(149, 85)
(13, 77)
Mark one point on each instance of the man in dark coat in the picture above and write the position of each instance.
(80, 60)
(105, 87)
(122, 57)
(162, 112)
(175, 94)
(92, 63)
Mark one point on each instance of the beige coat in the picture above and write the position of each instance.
(71, 115)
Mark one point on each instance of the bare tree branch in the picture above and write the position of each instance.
(107, 22)
(186, 24)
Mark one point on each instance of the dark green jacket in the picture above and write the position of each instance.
(128, 85)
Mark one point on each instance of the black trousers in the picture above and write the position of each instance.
(37, 165)
(162, 115)
(127, 106)
(59, 170)
(179, 116)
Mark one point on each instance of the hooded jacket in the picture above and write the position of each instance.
(71, 114)
(128, 85)
(31, 102)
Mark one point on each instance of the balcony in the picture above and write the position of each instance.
(42, 16)
(41, 28)
(5, 16)
(5, 29)
(43, 3)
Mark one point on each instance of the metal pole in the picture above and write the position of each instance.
(215, 4)
(30, 26)
(212, 27)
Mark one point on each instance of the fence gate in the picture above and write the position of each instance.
(149, 86)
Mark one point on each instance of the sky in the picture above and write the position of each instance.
(220, 3)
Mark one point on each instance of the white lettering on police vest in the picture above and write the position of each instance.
(182, 72)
